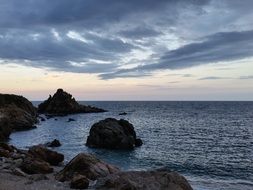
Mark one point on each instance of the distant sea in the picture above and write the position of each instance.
(211, 143)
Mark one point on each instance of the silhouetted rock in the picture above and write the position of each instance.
(123, 113)
(70, 119)
(79, 182)
(113, 134)
(62, 103)
(42, 153)
(54, 143)
(86, 165)
(144, 180)
(16, 113)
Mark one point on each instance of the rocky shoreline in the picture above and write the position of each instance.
(40, 167)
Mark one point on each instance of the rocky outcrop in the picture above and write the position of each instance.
(62, 103)
(86, 165)
(42, 153)
(79, 182)
(35, 166)
(113, 134)
(144, 180)
(16, 113)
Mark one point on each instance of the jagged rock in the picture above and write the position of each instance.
(16, 113)
(18, 172)
(62, 103)
(113, 134)
(86, 165)
(54, 143)
(143, 180)
(79, 182)
(42, 153)
(35, 166)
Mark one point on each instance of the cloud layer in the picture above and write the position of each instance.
(118, 38)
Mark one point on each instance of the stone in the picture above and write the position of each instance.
(123, 113)
(70, 120)
(16, 114)
(87, 165)
(35, 166)
(113, 134)
(79, 182)
(54, 143)
(143, 180)
(62, 103)
(18, 172)
(42, 153)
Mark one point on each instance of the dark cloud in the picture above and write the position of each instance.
(105, 34)
(220, 47)
(246, 77)
(213, 78)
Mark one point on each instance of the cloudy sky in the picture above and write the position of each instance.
(127, 49)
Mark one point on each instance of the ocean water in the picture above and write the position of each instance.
(211, 143)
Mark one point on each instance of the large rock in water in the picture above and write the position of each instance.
(62, 103)
(113, 134)
(16, 113)
(86, 165)
(143, 180)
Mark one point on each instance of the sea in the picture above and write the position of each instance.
(210, 143)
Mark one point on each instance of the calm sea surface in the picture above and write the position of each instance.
(211, 143)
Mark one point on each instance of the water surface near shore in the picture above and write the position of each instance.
(211, 143)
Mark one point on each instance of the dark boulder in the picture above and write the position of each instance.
(113, 134)
(79, 182)
(35, 166)
(62, 103)
(86, 165)
(16, 113)
(42, 153)
(54, 143)
(144, 180)
(71, 119)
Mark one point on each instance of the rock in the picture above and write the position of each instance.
(123, 113)
(42, 153)
(41, 118)
(38, 177)
(35, 166)
(4, 153)
(86, 165)
(62, 103)
(54, 143)
(79, 182)
(16, 113)
(138, 142)
(18, 172)
(143, 180)
(113, 134)
(70, 119)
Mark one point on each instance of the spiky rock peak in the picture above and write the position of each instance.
(62, 103)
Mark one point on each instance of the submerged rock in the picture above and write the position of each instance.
(62, 103)
(123, 113)
(86, 165)
(71, 119)
(144, 180)
(113, 134)
(16, 113)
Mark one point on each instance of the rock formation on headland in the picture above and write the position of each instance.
(113, 134)
(62, 103)
(16, 113)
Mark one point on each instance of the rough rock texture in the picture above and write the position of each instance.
(35, 166)
(86, 165)
(63, 103)
(113, 134)
(144, 180)
(79, 182)
(42, 153)
(16, 113)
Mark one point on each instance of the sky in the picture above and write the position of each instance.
(127, 49)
